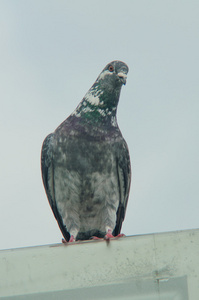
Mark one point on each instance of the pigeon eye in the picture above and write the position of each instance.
(111, 69)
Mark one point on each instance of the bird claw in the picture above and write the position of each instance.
(109, 236)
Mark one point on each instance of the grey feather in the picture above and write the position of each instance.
(86, 165)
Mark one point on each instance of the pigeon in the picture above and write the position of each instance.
(85, 163)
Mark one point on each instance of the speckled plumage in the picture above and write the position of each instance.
(86, 165)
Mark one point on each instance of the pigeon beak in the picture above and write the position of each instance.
(122, 77)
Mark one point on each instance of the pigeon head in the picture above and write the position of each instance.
(114, 75)
(99, 105)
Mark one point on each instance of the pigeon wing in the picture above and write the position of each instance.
(48, 181)
(124, 180)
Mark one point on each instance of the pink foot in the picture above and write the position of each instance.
(120, 235)
(95, 238)
(72, 239)
(109, 235)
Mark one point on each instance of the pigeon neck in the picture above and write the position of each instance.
(99, 105)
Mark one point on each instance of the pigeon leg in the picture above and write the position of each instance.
(72, 239)
(73, 234)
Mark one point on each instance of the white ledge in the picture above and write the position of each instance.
(155, 266)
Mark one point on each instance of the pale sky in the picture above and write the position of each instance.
(51, 53)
